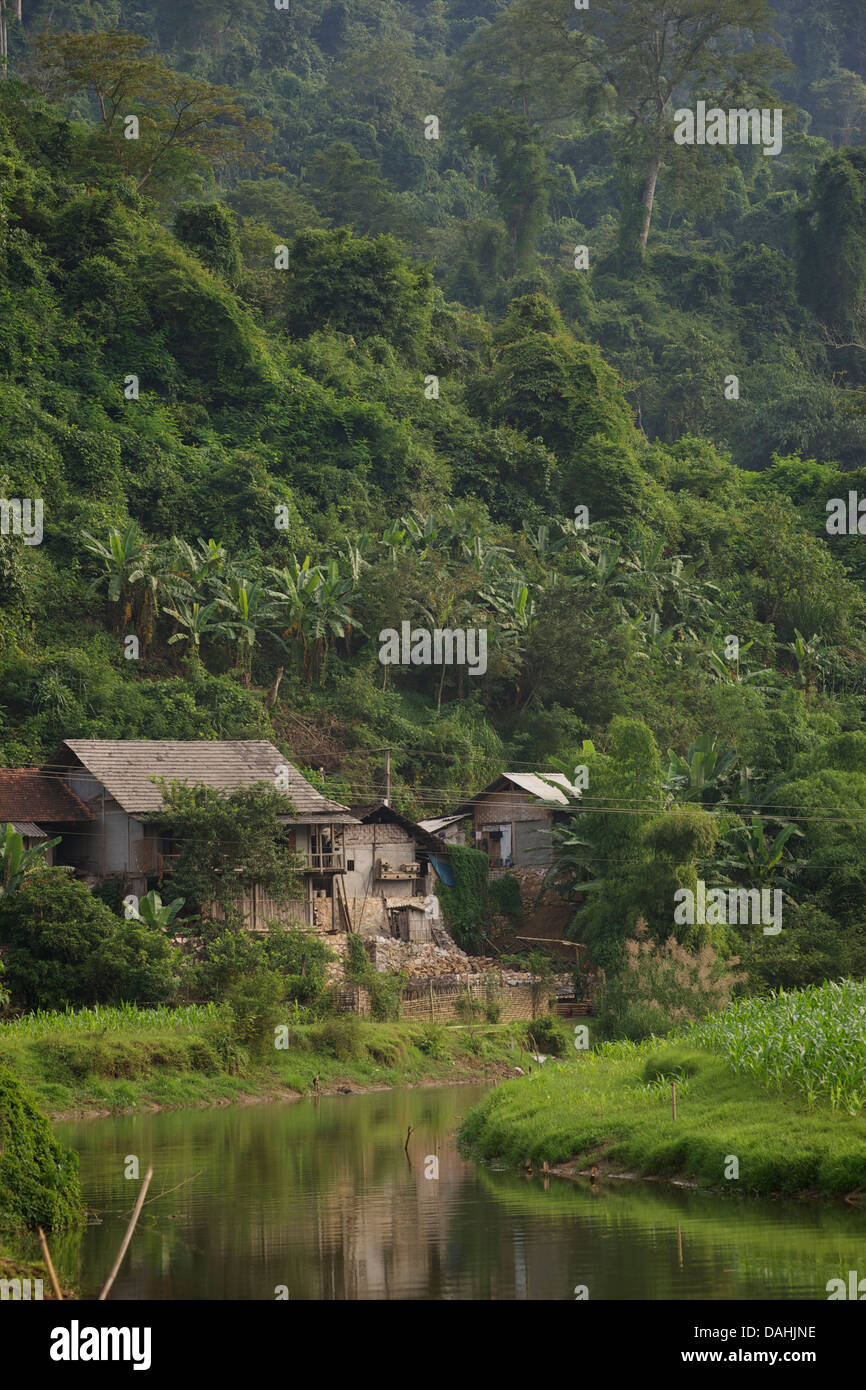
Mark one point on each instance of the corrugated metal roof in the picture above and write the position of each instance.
(26, 794)
(27, 827)
(539, 785)
(125, 768)
(440, 822)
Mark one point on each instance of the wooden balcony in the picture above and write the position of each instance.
(322, 861)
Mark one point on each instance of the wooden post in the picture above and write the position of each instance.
(674, 1098)
(55, 1283)
(432, 1010)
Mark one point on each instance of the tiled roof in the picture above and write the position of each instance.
(125, 767)
(26, 794)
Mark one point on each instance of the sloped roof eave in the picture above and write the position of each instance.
(127, 767)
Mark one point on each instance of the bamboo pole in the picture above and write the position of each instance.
(55, 1284)
(128, 1237)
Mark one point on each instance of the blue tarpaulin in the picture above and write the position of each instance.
(443, 869)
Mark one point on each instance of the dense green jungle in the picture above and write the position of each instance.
(319, 319)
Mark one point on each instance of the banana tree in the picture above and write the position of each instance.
(808, 656)
(748, 855)
(574, 860)
(734, 674)
(197, 620)
(541, 543)
(698, 775)
(396, 539)
(16, 862)
(251, 609)
(196, 565)
(664, 642)
(154, 913)
(293, 596)
(124, 562)
(329, 614)
(606, 572)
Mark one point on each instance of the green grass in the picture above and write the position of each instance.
(124, 1059)
(811, 1039)
(604, 1109)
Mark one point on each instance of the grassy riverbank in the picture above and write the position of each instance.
(110, 1061)
(613, 1109)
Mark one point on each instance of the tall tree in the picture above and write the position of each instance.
(179, 118)
(635, 61)
(521, 183)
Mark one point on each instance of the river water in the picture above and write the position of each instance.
(319, 1200)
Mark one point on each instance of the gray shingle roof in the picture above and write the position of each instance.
(125, 767)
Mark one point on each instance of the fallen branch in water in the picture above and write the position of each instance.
(128, 1237)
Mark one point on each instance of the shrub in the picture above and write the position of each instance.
(550, 1034)
(467, 1008)
(254, 1005)
(39, 1183)
(384, 987)
(432, 1041)
(466, 904)
(301, 958)
(672, 1063)
(341, 1037)
(504, 897)
(390, 1051)
(62, 946)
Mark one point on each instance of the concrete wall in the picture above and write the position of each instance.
(366, 845)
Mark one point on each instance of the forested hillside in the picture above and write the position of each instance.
(286, 372)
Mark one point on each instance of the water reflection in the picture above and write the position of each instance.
(320, 1197)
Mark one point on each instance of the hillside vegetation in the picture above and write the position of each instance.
(286, 373)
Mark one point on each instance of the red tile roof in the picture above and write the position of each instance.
(29, 795)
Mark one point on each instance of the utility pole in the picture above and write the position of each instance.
(387, 776)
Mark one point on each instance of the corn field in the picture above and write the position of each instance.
(119, 1018)
(813, 1039)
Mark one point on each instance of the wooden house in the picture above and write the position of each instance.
(114, 780)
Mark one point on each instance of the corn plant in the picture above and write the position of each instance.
(813, 1039)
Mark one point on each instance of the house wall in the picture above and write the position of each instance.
(454, 834)
(103, 846)
(365, 846)
(530, 825)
